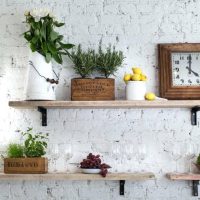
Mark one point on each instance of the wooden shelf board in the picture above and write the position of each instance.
(79, 176)
(106, 104)
(183, 176)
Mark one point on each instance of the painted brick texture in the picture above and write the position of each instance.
(136, 27)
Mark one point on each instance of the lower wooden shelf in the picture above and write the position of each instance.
(183, 176)
(195, 178)
(121, 177)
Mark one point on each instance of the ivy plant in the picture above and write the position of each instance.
(43, 38)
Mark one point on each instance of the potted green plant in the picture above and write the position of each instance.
(109, 61)
(197, 164)
(27, 158)
(85, 63)
(46, 45)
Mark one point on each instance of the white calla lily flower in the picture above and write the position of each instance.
(39, 13)
(26, 13)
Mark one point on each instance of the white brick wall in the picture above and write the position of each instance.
(134, 26)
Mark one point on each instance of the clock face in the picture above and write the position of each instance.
(185, 68)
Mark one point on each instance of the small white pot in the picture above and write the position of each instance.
(135, 90)
(37, 88)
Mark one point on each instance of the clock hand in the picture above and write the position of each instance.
(190, 66)
(195, 73)
(190, 63)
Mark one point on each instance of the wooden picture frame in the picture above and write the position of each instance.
(167, 90)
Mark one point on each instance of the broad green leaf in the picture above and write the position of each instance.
(52, 48)
(37, 32)
(48, 29)
(66, 46)
(59, 38)
(57, 58)
(33, 25)
(27, 36)
(34, 40)
(48, 57)
(44, 47)
(54, 35)
(43, 31)
(33, 47)
(62, 53)
(57, 24)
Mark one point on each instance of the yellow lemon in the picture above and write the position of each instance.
(150, 96)
(137, 70)
(127, 77)
(143, 77)
(136, 77)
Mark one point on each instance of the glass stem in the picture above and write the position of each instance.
(176, 165)
(190, 166)
(67, 168)
(54, 165)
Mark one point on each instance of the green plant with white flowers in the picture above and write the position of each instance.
(42, 36)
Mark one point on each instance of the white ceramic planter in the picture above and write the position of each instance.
(135, 90)
(37, 88)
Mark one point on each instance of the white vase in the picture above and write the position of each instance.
(37, 88)
(135, 90)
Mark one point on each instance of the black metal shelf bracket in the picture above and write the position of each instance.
(194, 115)
(121, 187)
(43, 111)
(195, 184)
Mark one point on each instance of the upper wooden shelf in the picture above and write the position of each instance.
(106, 104)
(79, 176)
(183, 176)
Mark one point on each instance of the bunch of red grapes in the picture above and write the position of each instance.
(94, 162)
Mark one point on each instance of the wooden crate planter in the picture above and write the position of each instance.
(92, 89)
(25, 165)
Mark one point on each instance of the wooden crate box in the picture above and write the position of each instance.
(25, 165)
(92, 89)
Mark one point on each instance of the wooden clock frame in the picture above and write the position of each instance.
(167, 90)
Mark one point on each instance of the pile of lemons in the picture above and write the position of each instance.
(136, 76)
(139, 76)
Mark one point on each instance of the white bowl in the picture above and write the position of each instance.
(91, 171)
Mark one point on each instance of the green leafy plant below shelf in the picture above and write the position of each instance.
(198, 160)
(35, 145)
(15, 151)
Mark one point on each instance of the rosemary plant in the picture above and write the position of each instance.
(84, 62)
(109, 61)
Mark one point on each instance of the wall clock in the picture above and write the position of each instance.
(179, 70)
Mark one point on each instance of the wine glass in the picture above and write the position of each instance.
(129, 152)
(176, 154)
(54, 155)
(116, 154)
(189, 153)
(67, 155)
(2, 155)
(142, 152)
